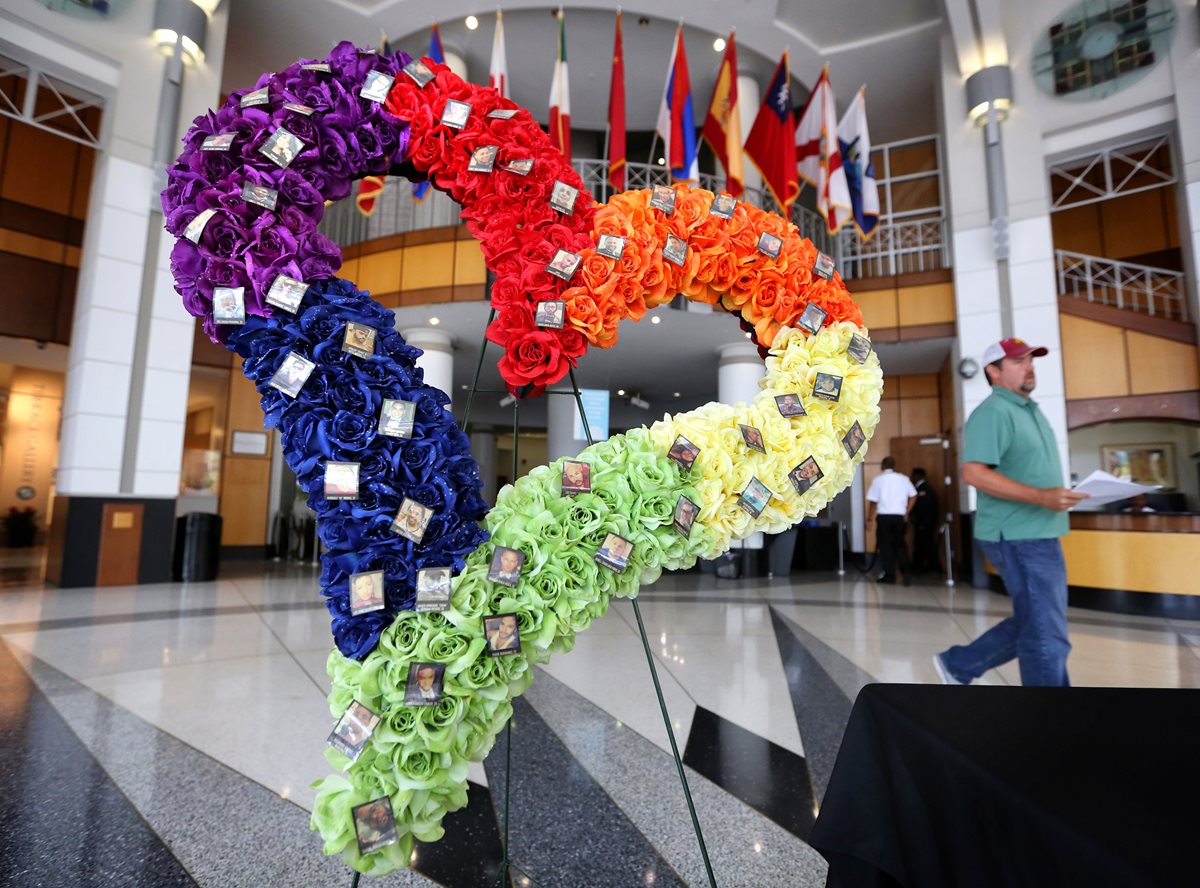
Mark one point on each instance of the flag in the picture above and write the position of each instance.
(498, 73)
(421, 189)
(370, 187)
(854, 143)
(770, 145)
(817, 157)
(676, 123)
(616, 115)
(722, 129)
(560, 95)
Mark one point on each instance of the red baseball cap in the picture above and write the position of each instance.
(1012, 348)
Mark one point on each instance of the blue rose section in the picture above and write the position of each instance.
(335, 418)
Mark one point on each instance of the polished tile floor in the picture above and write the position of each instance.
(169, 734)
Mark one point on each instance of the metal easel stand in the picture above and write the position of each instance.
(507, 864)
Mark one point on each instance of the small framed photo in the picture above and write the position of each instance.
(562, 197)
(576, 477)
(433, 590)
(375, 88)
(396, 418)
(805, 475)
(503, 113)
(412, 520)
(374, 825)
(359, 340)
(753, 438)
(229, 305)
(506, 566)
(502, 634)
(319, 67)
(456, 113)
(685, 515)
(260, 195)
(366, 592)
(424, 685)
(675, 250)
(663, 198)
(418, 72)
(823, 267)
(859, 348)
(812, 318)
(483, 159)
(217, 142)
(195, 228)
(521, 166)
(827, 387)
(281, 148)
(615, 552)
(297, 108)
(611, 245)
(790, 405)
(563, 264)
(255, 97)
(723, 206)
(286, 293)
(341, 480)
(854, 439)
(353, 730)
(755, 497)
(551, 314)
(292, 374)
(683, 453)
(769, 244)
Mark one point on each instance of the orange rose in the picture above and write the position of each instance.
(725, 273)
(654, 279)
(634, 260)
(691, 207)
(583, 314)
(597, 274)
(764, 296)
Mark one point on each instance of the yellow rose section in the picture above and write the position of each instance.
(810, 443)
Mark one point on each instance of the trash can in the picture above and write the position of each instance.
(197, 547)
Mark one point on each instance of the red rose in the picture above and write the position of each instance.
(514, 320)
(535, 358)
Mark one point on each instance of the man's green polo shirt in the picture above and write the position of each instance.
(1010, 434)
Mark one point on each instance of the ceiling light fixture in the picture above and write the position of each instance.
(621, 393)
(662, 161)
(433, 322)
(472, 23)
(677, 394)
(656, 320)
(184, 22)
(719, 44)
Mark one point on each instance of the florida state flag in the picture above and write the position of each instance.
(770, 144)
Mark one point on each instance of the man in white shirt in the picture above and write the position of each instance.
(892, 495)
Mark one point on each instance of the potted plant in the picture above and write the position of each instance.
(20, 526)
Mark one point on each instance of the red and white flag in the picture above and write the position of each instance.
(818, 160)
(498, 73)
(560, 96)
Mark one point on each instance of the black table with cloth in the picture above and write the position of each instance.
(987, 786)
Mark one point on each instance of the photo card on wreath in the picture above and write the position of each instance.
(374, 825)
(503, 635)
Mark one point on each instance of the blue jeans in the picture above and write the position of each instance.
(1036, 634)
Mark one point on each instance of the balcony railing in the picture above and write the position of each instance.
(1159, 292)
(902, 246)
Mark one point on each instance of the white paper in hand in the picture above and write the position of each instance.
(1103, 488)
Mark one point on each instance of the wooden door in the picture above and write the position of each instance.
(120, 544)
(935, 454)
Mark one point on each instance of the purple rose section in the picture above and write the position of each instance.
(335, 417)
(248, 245)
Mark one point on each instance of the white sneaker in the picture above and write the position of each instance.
(943, 672)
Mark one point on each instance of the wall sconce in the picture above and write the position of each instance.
(180, 21)
(989, 87)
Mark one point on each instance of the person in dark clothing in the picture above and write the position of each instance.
(924, 519)
(891, 495)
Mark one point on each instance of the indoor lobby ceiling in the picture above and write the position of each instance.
(891, 47)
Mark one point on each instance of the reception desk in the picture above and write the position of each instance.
(1134, 552)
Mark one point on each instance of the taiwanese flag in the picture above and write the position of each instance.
(676, 122)
(770, 144)
(616, 115)
(560, 96)
(722, 129)
(421, 189)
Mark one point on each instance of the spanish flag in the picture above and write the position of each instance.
(722, 129)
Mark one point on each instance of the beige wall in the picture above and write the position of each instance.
(31, 425)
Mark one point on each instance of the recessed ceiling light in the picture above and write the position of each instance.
(465, 386)
(433, 322)
(472, 23)
(662, 161)
(677, 394)
(719, 44)
(747, 335)
(656, 320)
(621, 392)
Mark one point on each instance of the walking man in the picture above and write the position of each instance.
(925, 516)
(893, 495)
(1011, 459)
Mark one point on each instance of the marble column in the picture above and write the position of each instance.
(739, 370)
(483, 449)
(438, 358)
